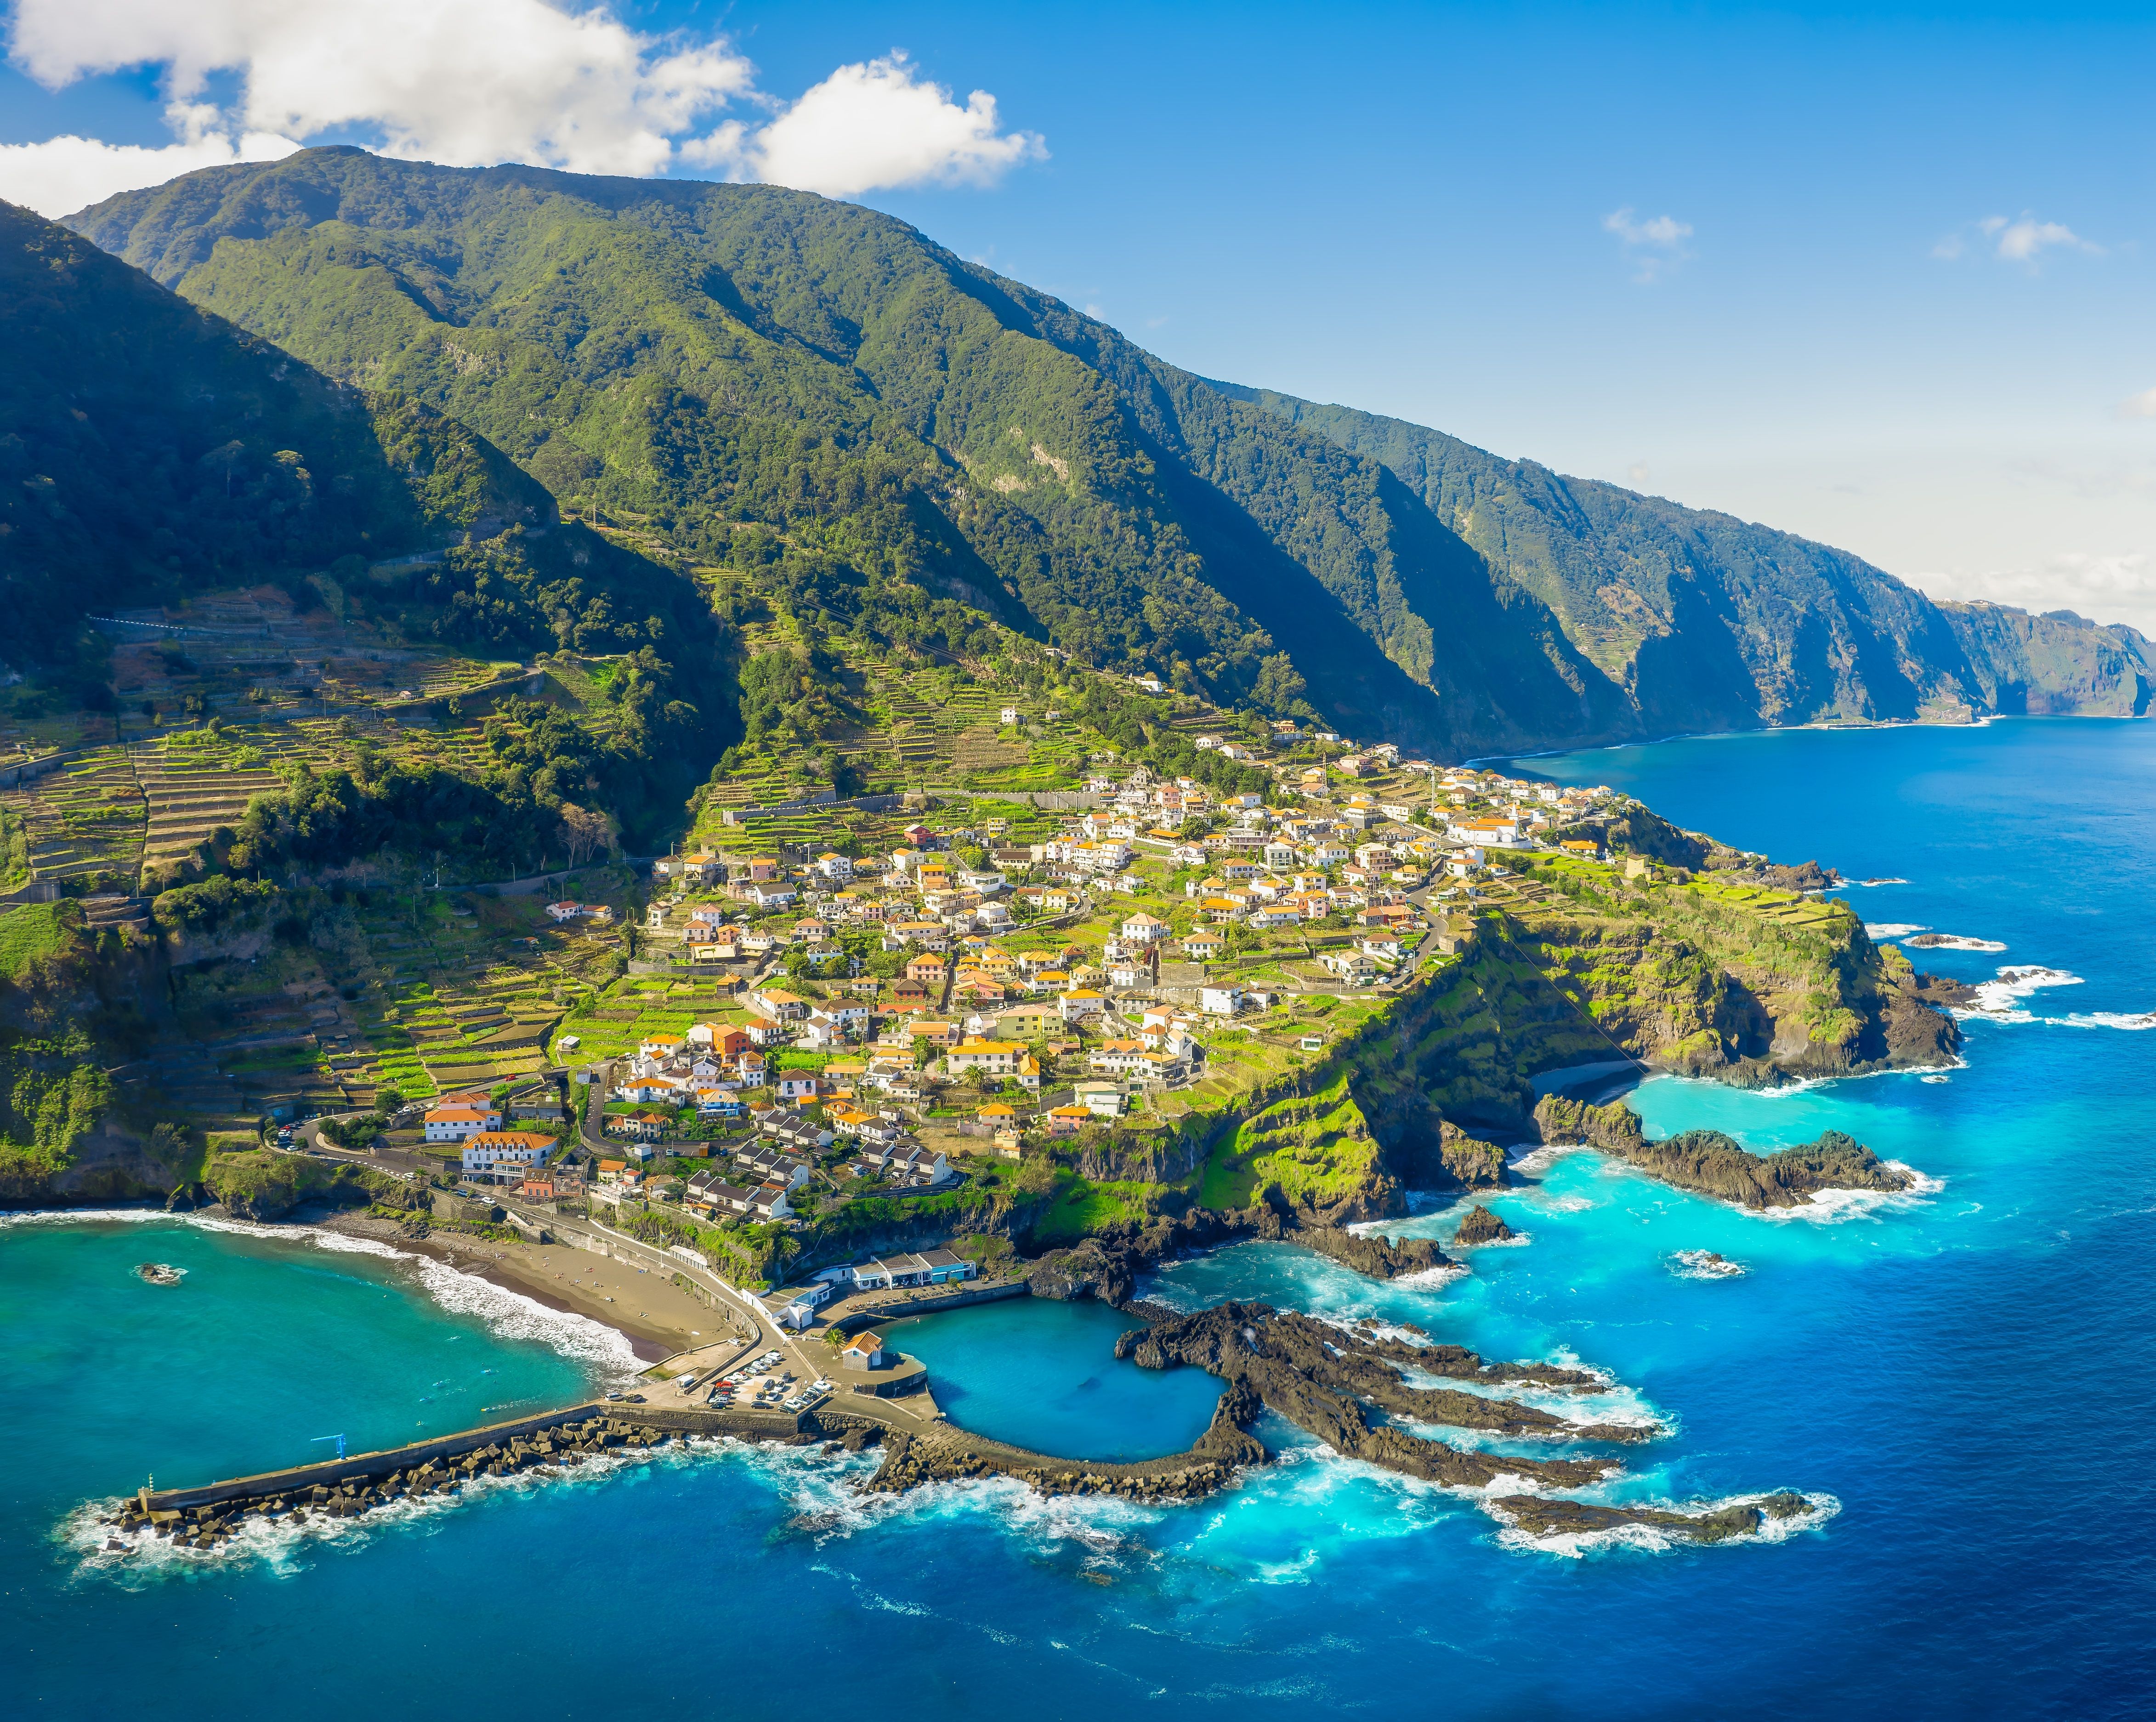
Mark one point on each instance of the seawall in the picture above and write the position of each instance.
(358, 1467)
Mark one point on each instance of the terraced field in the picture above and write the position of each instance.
(86, 819)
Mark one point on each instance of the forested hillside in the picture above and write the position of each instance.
(1710, 622)
(146, 446)
(708, 360)
(150, 450)
(814, 394)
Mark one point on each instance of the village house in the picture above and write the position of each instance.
(638, 1126)
(504, 1152)
(458, 1124)
(1080, 1003)
(994, 1058)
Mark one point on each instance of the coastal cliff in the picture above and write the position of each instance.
(1717, 977)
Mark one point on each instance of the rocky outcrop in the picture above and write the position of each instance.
(1479, 1226)
(1708, 1163)
(1327, 1380)
(1917, 1032)
(1942, 992)
(1563, 1123)
(1468, 1161)
(268, 1183)
(1107, 1266)
(1377, 1256)
(1550, 1515)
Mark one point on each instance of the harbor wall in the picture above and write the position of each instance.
(329, 1473)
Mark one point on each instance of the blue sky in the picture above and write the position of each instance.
(1880, 275)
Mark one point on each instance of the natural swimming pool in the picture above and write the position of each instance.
(1045, 1375)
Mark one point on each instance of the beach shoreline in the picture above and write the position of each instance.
(656, 1318)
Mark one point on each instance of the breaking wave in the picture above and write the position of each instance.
(1705, 1264)
(1999, 999)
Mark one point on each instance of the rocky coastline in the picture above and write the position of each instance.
(1107, 1265)
(1708, 1163)
(1327, 1380)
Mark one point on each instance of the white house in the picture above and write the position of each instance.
(1220, 1000)
(506, 1150)
(458, 1123)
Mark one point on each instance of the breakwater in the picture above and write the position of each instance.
(341, 1488)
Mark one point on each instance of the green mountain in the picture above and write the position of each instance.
(149, 449)
(813, 392)
(1709, 622)
(146, 446)
(733, 364)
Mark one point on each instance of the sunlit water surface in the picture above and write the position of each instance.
(1962, 1379)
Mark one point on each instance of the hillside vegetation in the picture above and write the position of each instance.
(715, 363)
(1709, 622)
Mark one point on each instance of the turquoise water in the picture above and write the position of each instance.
(1961, 1378)
(1045, 1375)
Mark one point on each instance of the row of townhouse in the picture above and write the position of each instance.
(716, 1193)
(905, 1163)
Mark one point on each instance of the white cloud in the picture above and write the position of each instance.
(1656, 245)
(1636, 474)
(2138, 406)
(2020, 241)
(480, 81)
(878, 124)
(2105, 588)
(68, 174)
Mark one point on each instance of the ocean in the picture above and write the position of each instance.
(1960, 1378)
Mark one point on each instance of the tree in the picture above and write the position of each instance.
(585, 831)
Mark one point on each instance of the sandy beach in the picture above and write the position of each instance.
(657, 1317)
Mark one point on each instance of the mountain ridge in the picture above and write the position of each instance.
(714, 360)
(1487, 499)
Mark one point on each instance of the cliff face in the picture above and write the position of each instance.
(1721, 978)
(1707, 622)
(1715, 978)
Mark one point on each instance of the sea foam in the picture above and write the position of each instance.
(1999, 999)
